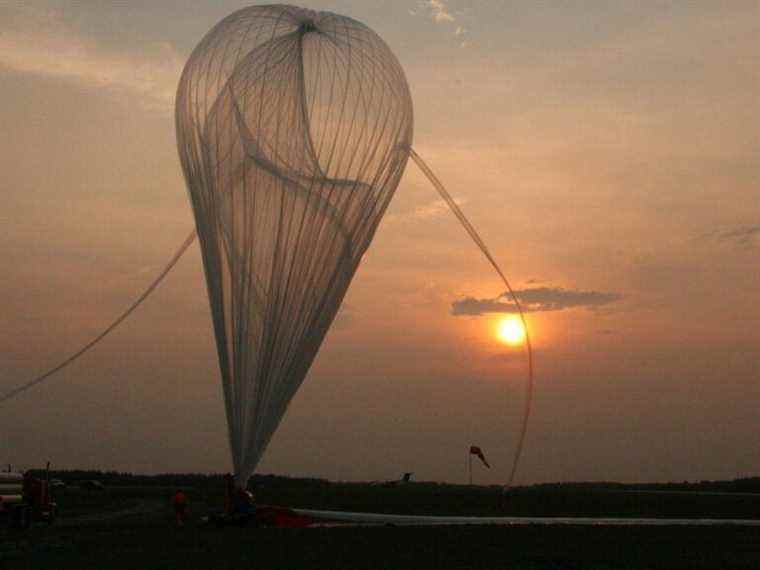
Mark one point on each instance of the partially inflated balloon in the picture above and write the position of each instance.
(293, 130)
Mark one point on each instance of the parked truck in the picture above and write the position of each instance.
(24, 499)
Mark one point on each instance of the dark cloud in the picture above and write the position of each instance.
(533, 300)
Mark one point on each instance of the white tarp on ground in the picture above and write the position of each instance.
(421, 520)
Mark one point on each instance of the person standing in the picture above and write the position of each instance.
(180, 502)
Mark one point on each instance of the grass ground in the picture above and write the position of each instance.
(141, 543)
(130, 527)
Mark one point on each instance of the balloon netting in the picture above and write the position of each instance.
(293, 131)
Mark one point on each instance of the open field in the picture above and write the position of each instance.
(138, 542)
(739, 499)
(130, 526)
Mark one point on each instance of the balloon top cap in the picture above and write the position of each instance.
(308, 26)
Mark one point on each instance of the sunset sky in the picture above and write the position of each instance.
(606, 152)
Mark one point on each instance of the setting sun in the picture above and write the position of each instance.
(511, 331)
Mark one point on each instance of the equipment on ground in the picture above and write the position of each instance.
(91, 485)
(25, 499)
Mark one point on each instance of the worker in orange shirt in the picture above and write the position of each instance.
(180, 502)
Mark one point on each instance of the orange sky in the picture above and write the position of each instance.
(604, 149)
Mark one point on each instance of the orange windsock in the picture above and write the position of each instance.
(475, 450)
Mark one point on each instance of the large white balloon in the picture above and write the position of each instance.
(293, 130)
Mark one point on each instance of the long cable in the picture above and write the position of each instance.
(479, 242)
(164, 272)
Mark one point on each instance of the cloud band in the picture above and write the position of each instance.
(534, 300)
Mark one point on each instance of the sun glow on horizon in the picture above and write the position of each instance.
(510, 330)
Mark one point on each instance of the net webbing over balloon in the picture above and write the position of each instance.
(291, 127)
(294, 129)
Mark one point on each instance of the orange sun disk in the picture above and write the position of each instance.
(510, 330)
